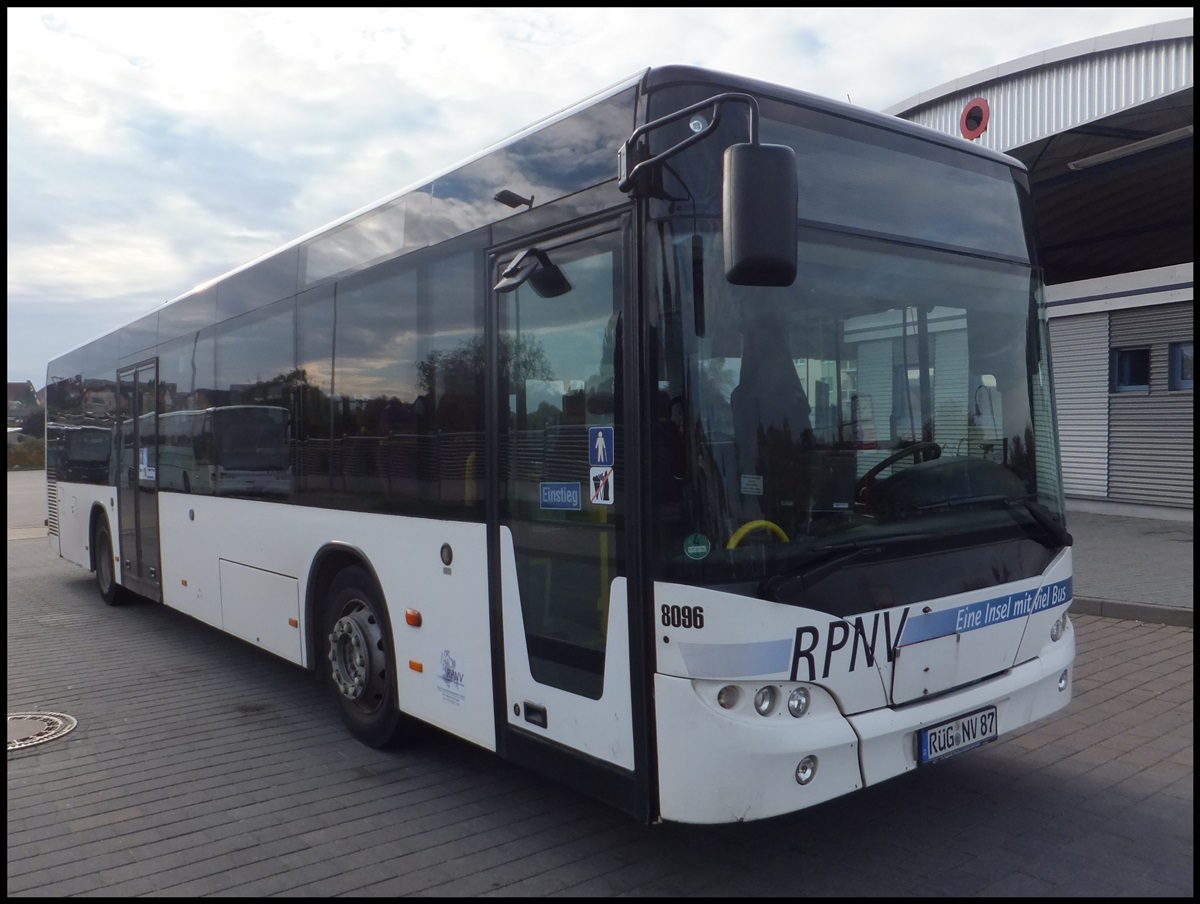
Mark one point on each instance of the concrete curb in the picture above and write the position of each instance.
(27, 533)
(1144, 612)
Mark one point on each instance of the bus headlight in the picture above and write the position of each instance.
(798, 701)
(764, 700)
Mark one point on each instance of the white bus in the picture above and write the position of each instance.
(694, 447)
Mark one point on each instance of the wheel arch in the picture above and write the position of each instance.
(331, 559)
(98, 513)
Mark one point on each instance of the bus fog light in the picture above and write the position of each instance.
(798, 701)
(806, 770)
(764, 700)
(727, 697)
(1059, 628)
(1062, 681)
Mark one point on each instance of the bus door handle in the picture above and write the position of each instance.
(535, 714)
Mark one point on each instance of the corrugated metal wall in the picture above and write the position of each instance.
(1079, 350)
(1050, 476)
(1151, 435)
(1125, 447)
(1031, 105)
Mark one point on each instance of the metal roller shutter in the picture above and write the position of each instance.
(1079, 353)
(1151, 433)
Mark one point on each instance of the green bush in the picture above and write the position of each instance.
(27, 455)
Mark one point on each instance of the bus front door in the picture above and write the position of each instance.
(561, 534)
(137, 480)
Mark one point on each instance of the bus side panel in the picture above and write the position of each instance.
(264, 551)
(192, 536)
(75, 504)
(262, 607)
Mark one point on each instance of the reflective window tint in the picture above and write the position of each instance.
(407, 386)
(256, 356)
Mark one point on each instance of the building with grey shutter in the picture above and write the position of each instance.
(1105, 128)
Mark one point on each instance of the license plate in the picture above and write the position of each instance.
(956, 735)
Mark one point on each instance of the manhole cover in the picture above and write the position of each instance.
(27, 729)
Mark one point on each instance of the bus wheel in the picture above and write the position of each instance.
(361, 665)
(106, 574)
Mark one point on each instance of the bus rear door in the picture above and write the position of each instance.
(137, 480)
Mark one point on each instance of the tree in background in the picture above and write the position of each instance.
(34, 424)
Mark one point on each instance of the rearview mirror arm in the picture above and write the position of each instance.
(631, 168)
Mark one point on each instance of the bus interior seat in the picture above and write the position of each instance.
(771, 423)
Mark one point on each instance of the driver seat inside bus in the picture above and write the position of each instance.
(772, 426)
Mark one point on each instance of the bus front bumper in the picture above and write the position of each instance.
(720, 765)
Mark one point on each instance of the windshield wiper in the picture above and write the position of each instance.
(1054, 531)
(829, 557)
(1060, 535)
(962, 501)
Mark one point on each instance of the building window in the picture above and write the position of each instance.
(1131, 370)
(1181, 365)
(908, 414)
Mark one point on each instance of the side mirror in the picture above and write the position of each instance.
(545, 277)
(760, 201)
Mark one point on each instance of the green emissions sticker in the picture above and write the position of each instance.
(696, 546)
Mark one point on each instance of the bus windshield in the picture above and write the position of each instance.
(84, 453)
(250, 438)
(893, 404)
(87, 445)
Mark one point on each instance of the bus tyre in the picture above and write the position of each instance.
(106, 572)
(360, 662)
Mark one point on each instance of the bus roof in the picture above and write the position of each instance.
(454, 184)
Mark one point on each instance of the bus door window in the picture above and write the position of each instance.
(561, 493)
(138, 487)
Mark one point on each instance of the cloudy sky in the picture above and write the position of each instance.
(151, 150)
